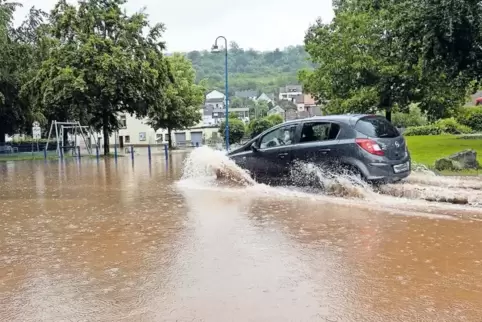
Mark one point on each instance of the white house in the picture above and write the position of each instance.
(289, 92)
(214, 95)
(137, 132)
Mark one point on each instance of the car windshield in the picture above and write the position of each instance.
(376, 127)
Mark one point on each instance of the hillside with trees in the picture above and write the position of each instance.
(250, 69)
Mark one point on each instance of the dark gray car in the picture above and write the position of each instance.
(366, 145)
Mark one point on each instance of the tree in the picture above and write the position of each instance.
(237, 130)
(359, 68)
(258, 126)
(236, 102)
(451, 45)
(183, 99)
(16, 61)
(100, 65)
(448, 50)
(259, 109)
(275, 119)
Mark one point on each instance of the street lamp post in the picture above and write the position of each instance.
(215, 49)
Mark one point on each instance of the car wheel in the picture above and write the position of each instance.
(354, 174)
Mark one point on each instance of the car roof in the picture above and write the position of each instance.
(345, 118)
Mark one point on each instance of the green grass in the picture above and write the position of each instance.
(427, 149)
(54, 156)
(27, 156)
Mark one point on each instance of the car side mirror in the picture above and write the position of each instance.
(254, 147)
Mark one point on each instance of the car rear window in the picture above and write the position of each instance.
(376, 127)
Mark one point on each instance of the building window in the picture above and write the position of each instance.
(123, 121)
(128, 139)
(215, 114)
(159, 137)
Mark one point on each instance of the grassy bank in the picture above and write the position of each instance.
(427, 149)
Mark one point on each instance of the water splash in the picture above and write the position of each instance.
(338, 184)
(205, 166)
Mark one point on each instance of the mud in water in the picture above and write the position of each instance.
(157, 241)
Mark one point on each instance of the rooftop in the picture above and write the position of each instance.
(246, 94)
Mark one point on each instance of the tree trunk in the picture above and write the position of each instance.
(388, 114)
(2, 134)
(169, 139)
(106, 137)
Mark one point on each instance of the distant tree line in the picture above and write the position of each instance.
(249, 69)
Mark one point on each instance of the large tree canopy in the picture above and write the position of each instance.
(19, 58)
(385, 54)
(100, 65)
(183, 98)
(358, 63)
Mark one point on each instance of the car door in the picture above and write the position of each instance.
(272, 160)
(317, 143)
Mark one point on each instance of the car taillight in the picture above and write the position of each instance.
(370, 146)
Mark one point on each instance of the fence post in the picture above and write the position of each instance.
(149, 152)
(132, 152)
(165, 151)
(78, 152)
(97, 152)
(45, 153)
(115, 147)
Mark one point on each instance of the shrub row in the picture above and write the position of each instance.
(444, 126)
(471, 117)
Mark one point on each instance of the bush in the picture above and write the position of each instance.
(451, 126)
(258, 126)
(444, 126)
(413, 118)
(471, 117)
(236, 130)
(275, 119)
(422, 130)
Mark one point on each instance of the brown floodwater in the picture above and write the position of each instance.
(139, 241)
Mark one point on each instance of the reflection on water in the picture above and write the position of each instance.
(130, 242)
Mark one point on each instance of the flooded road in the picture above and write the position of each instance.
(140, 242)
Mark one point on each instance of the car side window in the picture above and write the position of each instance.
(319, 131)
(284, 135)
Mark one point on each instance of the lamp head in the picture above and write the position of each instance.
(215, 48)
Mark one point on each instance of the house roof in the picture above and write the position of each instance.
(215, 92)
(276, 109)
(246, 94)
(264, 97)
(291, 88)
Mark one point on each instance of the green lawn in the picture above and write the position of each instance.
(51, 156)
(426, 149)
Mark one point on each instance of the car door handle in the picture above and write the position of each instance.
(282, 155)
(324, 151)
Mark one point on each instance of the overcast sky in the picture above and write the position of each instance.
(194, 24)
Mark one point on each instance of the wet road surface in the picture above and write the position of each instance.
(106, 242)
